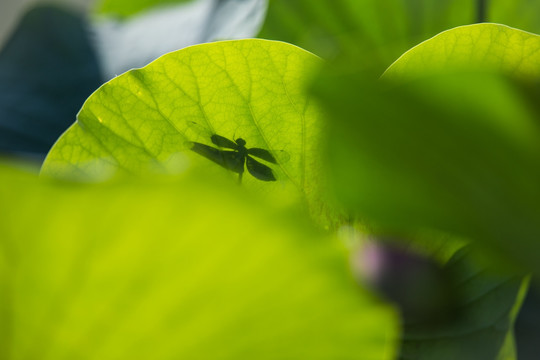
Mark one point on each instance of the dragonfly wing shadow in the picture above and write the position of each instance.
(223, 142)
(262, 154)
(230, 160)
(258, 170)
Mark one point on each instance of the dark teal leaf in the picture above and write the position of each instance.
(485, 311)
(528, 326)
(47, 69)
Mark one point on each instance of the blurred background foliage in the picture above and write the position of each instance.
(456, 152)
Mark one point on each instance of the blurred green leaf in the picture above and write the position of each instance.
(47, 70)
(374, 32)
(125, 8)
(253, 89)
(183, 269)
(457, 152)
(521, 14)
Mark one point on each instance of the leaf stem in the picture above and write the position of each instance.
(481, 11)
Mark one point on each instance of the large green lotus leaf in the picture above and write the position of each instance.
(174, 270)
(146, 118)
(485, 47)
(384, 29)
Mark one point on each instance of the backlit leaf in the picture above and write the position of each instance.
(252, 89)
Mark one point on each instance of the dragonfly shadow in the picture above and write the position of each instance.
(235, 156)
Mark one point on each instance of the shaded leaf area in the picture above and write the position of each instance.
(457, 152)
(47, 69)
(125, 8)
(155, 270)
(480, 322)
(134, 42)
(147, 119)
(452, 308)
(454, 152)
(416, 283)
(371, 32)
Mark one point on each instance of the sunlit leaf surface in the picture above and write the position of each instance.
(174, 270)
(146, 119)
(480, 47)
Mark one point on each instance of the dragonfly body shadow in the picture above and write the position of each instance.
(238, 157)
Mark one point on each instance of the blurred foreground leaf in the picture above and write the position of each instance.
(457, 152)
(47, 69)
(177, 270)
(145, 119)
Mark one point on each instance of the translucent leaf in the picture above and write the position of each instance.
(249, 89)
